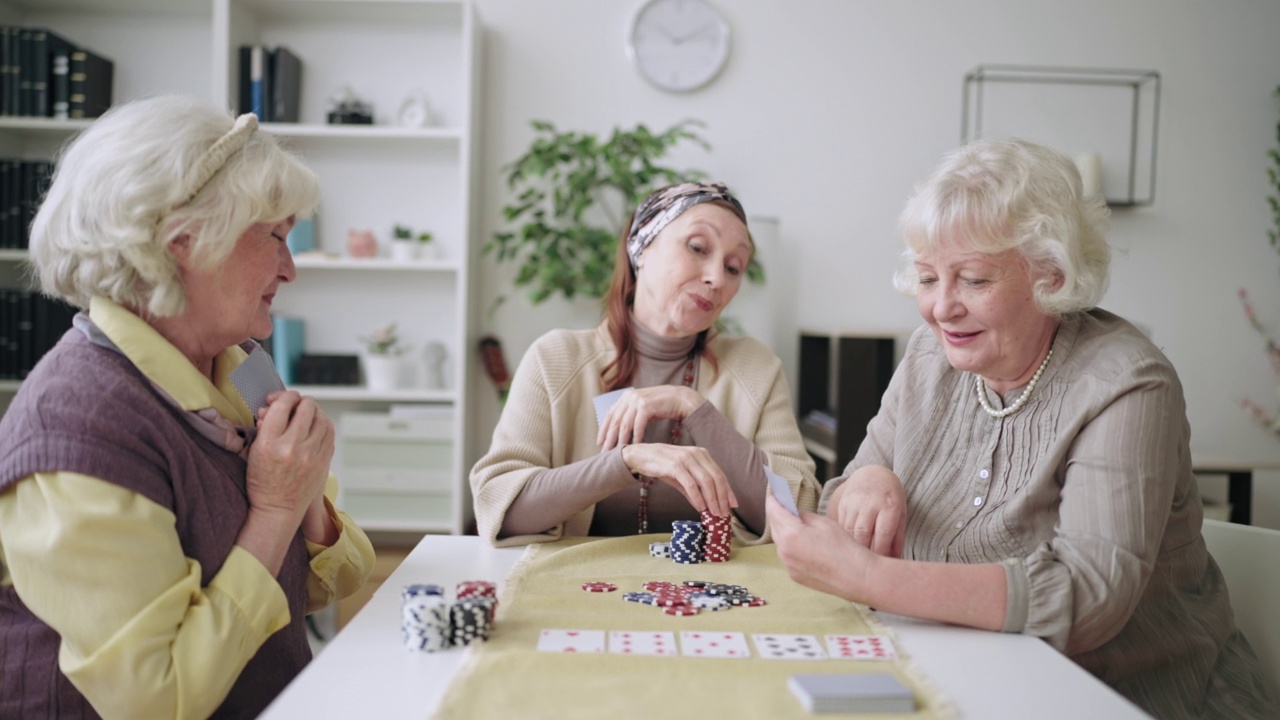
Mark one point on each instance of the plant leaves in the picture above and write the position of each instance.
(573, 193)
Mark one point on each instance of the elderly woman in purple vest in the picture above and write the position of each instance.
(695, 416)
(1029, 469)
(166, 508)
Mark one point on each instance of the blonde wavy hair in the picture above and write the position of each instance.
(116, 202)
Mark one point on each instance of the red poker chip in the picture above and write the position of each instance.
(681, 610)
(599, 586)
(755, 602)
(656, 585)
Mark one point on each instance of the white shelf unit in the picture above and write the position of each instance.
(372, 176)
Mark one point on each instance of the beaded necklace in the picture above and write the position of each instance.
(1022, 399)
(642, 511)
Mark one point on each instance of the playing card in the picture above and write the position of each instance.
(606, 401)
(780, 490)
(788, 647)
(571, 641)
(642, 642)
(699, 643)
(256, 378)
(861, 647)
(853, 693)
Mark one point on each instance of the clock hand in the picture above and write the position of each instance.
(689, 36)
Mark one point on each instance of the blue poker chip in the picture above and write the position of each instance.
(647, 598)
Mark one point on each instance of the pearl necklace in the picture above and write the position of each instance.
(1022, 399)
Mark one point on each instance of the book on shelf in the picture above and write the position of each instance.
(288, 339)
(259, 83)
(270, 82)
(286, 85)
(50, 55)
(30, 324)
(6, 65)
(23, 184)
(25, 71)
(91, 78)
(60, 77)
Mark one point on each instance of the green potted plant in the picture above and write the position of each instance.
(573, 193)
(403, 247)
(381, 358)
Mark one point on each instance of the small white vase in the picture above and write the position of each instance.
(404, 250)
(382, 372)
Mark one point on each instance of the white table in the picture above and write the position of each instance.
(365, 672)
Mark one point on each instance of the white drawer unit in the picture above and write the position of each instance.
(396, 471)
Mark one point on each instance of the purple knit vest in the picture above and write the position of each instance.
(87, 409)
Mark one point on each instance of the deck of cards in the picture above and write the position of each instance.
(852, 693)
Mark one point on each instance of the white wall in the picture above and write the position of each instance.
(829, 111)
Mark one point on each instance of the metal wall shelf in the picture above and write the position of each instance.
(1112, 112)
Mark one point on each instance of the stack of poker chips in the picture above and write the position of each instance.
(430, 623)
(424, 618)
(472, 615)
(688, 541)
(719, 532)
(695, 542)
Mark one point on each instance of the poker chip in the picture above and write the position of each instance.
(472, 588)
(599, 587)
(681, 610)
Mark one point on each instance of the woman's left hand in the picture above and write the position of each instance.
(626, 421)
(818, 553)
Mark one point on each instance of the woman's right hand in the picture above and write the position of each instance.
(872, 507)
(289, 460)
(688, 469)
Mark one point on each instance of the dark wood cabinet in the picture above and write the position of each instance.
(842, 377)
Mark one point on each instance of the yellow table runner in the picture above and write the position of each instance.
(507, 677)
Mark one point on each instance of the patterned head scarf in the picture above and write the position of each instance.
(662, 206)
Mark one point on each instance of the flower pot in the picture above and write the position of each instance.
(382, 372)
(404, 250)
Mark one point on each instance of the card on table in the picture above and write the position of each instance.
(700, 643)
(861, 647)
(780, 490)
(571, 641)
(642, 642)
(852, 693)
(776, 646)
(606, 401)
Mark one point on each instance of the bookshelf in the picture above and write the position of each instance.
(842, 378)
(372, 176)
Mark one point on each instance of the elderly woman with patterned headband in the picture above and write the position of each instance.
(1029, 469)
(697, 417)
(166, 508)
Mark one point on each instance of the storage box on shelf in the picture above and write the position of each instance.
(842, 377)
(372, 176)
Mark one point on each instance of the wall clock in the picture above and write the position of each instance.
(678, 45)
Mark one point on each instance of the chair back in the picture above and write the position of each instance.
(1250, 560)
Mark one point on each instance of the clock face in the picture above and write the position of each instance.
(678, 45)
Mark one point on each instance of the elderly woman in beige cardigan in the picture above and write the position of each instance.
(699, 415)
(1029, 468)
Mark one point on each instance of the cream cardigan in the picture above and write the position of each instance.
(549, 421)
